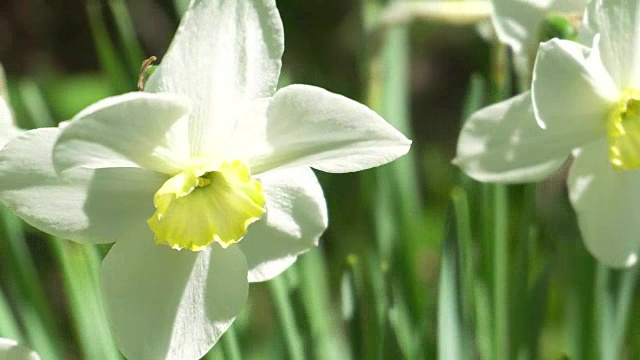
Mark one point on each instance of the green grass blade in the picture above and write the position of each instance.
(451, 333)
(369, 304)
(537, 301)
(33, 307)
(579, 322)
(80, 265)
(328, 342)
(409, 338)
(484, 324)
(230, 345)
(106, 49)
(501, 302)
(39, 335)
(627, 287)
(465, 252)
(606, 316)
(614, 294)
(8, 324)
(285, 311)
(124, 26)
(35, 104)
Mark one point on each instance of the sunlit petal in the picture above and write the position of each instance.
(610, 231)
(225, 54)
(168, 304)
(296, 217)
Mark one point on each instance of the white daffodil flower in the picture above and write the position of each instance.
(11, 350)
(209, 159)
(585, 100)
(517, 22)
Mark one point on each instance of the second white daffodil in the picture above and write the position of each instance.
(518, 22)
(585, 99)
(209, 159)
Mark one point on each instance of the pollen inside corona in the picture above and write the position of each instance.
(199, 206)
(623, 131)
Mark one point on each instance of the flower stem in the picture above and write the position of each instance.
(295, 348)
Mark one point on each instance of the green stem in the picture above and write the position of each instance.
(34, 311)
(500, 273)
(231, 346)
(293, 340)
(8, 324)
(80, 265)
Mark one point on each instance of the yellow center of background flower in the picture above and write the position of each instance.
(197, 207)
(623, 131)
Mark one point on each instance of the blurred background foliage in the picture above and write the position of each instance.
(418, 261)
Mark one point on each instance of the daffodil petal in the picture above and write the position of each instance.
(309, 126)
(224, 55)
(8, 129)
(503, 143)
(617, 23)
(134, 129)
(568, 6)
(589, 26)
(168, 304)
(296, 217)
(610, 231)
(517, 22)
(572, 93)
(11, 350)
(82, 206)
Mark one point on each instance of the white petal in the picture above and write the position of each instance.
(296, 217)
(619, 28)
(8, 129)
(568, 6)
(11, 350)
(606, 201)
(225, 54)
(309, 126)
(86, 205)
(517, 22)
(132, 130)
(503, 143)
(572, 93)
(169, 304)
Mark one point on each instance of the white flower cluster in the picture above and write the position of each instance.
(584, 102)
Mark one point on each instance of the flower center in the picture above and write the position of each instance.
(623, 131)
(197, 207)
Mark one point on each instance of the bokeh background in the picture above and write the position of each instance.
(418, 261)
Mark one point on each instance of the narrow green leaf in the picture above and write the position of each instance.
(124, 25)
(8, 324)
(80, 266)
(465, 252)
(285, 311)
(501, 302)
(106, 49)
(35, 104)
(230, 345)
(328, 342)
(34, 311)
(627, 286)
(451, 336)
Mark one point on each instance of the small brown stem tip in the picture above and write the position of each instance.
(143, 71)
